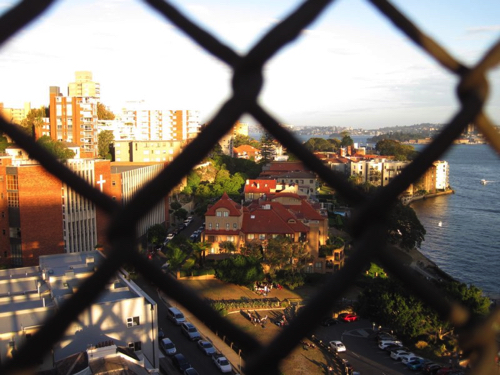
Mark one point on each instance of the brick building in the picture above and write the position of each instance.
(40, 215)
(74, 119)
(284, 214)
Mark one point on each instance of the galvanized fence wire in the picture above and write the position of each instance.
(367, 227)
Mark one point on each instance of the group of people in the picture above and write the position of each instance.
(266, 287)
(257, 319)
(282, 322)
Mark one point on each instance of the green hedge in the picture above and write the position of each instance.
(231, 305)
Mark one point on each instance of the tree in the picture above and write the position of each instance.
(283, 253)
(321, 144)
(253, 248)
(267, 151)
(56, 148)
(227, 247)
(103, 113)
(389, 147)
(404, 227)
(34, 120)
(181, 214)
(470, 296)
(156, 234)
(240, 139)
(346, 140)
(240, 270)
(104, 140)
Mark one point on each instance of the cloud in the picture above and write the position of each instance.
(483, 29)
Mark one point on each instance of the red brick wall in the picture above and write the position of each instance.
(4, 215)
(102, 219)
(41, 214)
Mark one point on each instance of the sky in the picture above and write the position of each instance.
(349, 68)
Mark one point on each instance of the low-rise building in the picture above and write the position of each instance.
(281, 214)
(122, 313)
(146, 151)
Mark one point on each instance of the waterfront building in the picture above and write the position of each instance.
(40, 215)
(442, 174)
(122, 313)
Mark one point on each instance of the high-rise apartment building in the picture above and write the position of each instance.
(168, 125)
(84, 86)
(74, 120)
(15, 115)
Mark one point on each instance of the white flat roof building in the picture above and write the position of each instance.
(122, 314)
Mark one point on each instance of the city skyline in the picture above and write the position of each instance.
(363, 73)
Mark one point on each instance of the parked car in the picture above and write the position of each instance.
(181, 362)
(410, 358)
(222, 363)
(348, 317)
(396, 355)
(431, 368)
(327, 322)
(415, 365)
(190, 331)
(206, 347)
(337, 346)
(392, 348)
(382, 335)
(384, 344)
(190, 371)
(168, 346)
(169, 237)
(175, 315)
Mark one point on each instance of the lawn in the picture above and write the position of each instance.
(301, 360)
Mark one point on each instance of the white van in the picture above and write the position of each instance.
(175, 315)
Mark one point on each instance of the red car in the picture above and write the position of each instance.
(348, 317)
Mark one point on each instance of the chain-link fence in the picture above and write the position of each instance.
(368, 223)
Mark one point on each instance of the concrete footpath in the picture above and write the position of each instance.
(218, 343)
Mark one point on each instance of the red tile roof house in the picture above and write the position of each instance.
(286, 214)
(254, 189)
(247, 152)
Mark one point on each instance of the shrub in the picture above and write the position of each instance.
(421, 345)
(290, 279)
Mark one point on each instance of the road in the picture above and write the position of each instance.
(362, 350)
(202, 363)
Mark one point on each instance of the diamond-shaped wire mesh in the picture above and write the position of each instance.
(247, 82)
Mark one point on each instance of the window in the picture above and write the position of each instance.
(218, 213)
(225, 214)
(135, 321)
(12, 198)
(217, 226)
(12, 182)
(113, 183)
(209, 225)
(262, 236)
(227, 226)
(235, 225)
(251, 236)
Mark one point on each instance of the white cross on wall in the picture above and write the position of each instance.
(101, 182)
